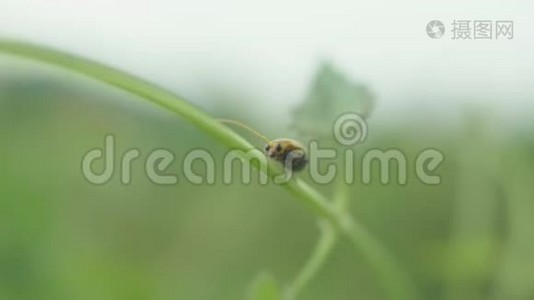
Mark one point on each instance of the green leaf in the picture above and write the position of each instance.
(264, 287)
(330, 96)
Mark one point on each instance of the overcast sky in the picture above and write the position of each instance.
(270, 49)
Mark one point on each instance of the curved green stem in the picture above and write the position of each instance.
(392, 276)
(327, 240)
(325, 244)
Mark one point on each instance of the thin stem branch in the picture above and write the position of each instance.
(327, 240)
(392, 277)
(323, 248)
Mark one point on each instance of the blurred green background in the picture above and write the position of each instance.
(262, 62)
(63, 238)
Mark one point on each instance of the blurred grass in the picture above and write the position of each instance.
(62, 238)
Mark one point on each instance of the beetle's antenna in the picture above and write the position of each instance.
(255, 132)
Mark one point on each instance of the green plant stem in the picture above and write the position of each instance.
(328, 236)
(325, 244)
(394, 280)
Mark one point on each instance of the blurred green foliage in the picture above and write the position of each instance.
(331, 94)
(264, 287)
(64, 238)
